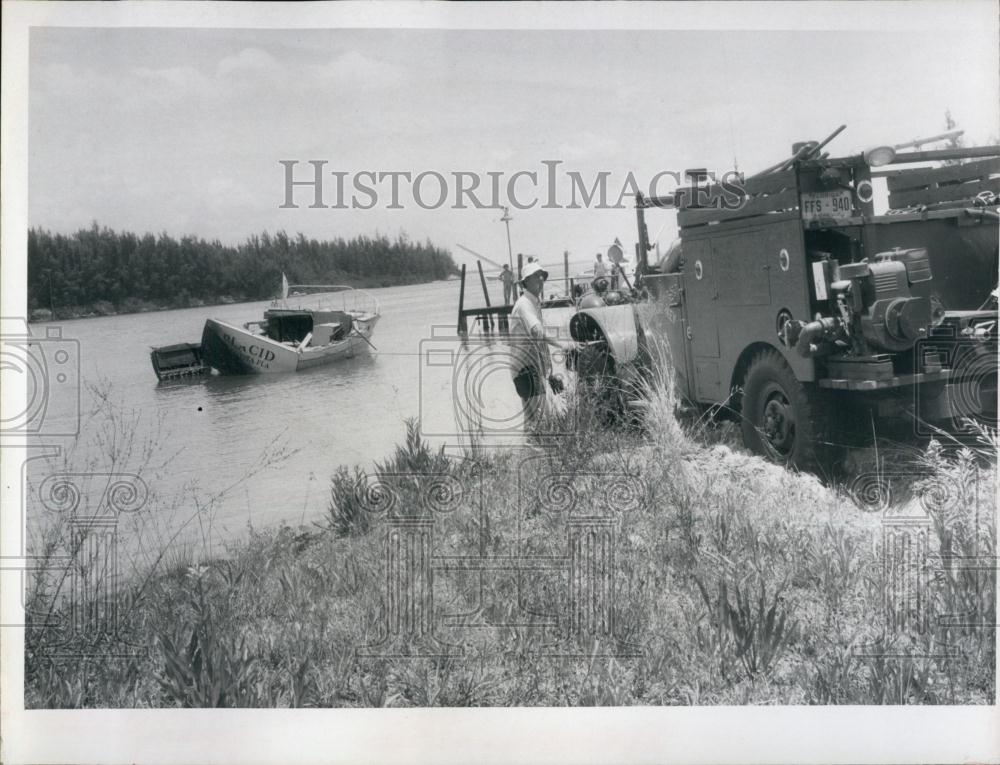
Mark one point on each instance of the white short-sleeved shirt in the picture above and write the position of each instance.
(600, 269)
(527, 337)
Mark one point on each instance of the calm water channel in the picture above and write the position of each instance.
(262, 449)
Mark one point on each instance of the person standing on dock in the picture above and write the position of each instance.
(507, 277)
(600, 269)
(530, 362)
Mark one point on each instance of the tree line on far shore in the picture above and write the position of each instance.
(102, 271)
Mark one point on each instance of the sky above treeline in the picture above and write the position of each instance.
(183, 131)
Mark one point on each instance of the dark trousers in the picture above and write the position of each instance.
(528, 383)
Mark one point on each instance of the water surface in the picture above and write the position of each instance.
(261, 449)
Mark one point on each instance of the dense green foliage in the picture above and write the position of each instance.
(101, 270)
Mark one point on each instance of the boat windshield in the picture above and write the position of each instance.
(320, 297)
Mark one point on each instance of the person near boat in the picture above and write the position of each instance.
(530, 362)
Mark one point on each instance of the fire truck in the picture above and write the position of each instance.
(794, 306)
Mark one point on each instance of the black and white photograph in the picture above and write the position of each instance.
(426, 382)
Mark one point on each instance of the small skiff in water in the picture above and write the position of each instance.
(308, 326)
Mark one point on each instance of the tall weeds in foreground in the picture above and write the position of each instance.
(655, 396)
(91, 609)
(357, 497)
(745, 608)
(732, 581)
(958, 494)
(204, 667)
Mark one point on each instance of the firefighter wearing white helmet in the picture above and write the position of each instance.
(530, 362)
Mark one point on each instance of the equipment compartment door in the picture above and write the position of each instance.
(702, 296)
(742, 269)
(664, 322)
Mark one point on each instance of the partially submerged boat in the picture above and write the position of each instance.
(175, 362)
(308, 326)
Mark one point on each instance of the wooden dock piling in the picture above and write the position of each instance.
(463, 327)
(487, 318)
(486, 314)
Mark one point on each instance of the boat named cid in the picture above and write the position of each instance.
(310, 325)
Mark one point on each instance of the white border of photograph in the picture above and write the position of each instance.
(634, 735)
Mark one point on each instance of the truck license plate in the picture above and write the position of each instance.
(826, 204)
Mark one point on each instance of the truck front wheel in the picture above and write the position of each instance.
(782, 418)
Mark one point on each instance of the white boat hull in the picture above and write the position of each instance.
(235, 350)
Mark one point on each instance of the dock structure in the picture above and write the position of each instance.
(463, 327)
(487, 318)
(485, 314)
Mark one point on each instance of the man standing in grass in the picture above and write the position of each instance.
(530, 363)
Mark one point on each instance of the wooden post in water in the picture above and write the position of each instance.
(520, 266)
(463, 327)
(566, 270)
(487, 318)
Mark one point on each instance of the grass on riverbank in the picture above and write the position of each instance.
(732, 582)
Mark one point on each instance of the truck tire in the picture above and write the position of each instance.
(782, 419)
